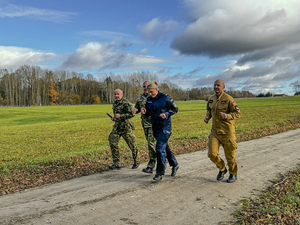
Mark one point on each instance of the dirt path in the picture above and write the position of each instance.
(130, 197)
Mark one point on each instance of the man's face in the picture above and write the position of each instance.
(145, 87)
(152, 92)
(118, 95)
(219, 87)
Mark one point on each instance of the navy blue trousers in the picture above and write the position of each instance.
(163, 151)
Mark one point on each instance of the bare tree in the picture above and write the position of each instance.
(296, 88)
(31, 85)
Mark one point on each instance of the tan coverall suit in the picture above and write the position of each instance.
(223, 130)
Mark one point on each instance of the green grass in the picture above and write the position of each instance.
(41, 134)
(279, 204)
(31, 135)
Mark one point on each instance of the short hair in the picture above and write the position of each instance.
(119, 90)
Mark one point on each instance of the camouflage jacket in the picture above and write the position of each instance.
(124, 108)
(224, 103)
(140, 103)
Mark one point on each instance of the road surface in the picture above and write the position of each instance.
(129, 196)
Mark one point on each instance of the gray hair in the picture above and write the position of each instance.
(119, 90)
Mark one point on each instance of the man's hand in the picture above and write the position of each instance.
(134, 111)
(117, 116)
(206, 120)
(143, 111)
(223, 115)
(163, 116)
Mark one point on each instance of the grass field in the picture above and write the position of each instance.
(31, 135)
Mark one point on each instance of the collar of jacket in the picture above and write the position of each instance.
(218, 97)
(158, 95)
(120, 101)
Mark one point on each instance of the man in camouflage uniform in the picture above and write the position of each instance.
(223, 110)
(147, 127)
(122, 109)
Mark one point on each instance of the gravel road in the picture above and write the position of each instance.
(129, 196)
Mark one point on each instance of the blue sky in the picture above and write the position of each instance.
(252, 45)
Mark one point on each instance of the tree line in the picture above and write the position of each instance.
(34, 86)
(296, 89)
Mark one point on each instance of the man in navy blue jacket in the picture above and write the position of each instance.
(160, 107)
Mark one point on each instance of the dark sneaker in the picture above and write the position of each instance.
(232, 178)
(135, 165)
(147, 170)
(174, 170)
(114, 167)
(157, 177)
(221, 174)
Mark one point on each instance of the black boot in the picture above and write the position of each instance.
(221, 174)
(157, 177)
(114, 167)
(147, 170)
(174, 170)
(135, 165)
(232, 178)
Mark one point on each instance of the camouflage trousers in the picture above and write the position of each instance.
(151, 146)
(129, 137)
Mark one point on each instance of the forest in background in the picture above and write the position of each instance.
(34, 86)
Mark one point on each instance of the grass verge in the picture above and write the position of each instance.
(279, 204)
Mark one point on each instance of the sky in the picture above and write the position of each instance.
(252, 45)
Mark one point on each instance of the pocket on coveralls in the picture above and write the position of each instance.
(164, 135)
(233, 143)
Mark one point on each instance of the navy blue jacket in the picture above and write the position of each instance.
(161, 103)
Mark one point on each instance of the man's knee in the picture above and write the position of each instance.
(230, 151)
(111, 135)
(213, 156)
(231, 163)
(160, 148)
(129, 137)
(113, 139)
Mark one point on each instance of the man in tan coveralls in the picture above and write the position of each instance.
(223, 110)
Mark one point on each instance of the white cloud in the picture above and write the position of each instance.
(13, 57)
(157, 29)
(100, 56)
(262, 37)
(106, 34)
(256, 78)
(226, 28)
(13, 11)
(111, 36)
